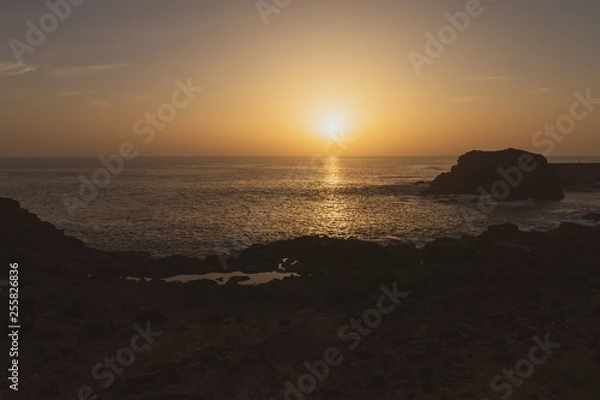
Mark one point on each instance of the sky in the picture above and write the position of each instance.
(284, 78)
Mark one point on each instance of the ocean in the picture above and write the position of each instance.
(200, 206)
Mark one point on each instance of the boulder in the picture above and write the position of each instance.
(507, 175)
(502, 232)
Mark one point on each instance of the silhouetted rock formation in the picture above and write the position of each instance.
(507, 175)
(21, 229)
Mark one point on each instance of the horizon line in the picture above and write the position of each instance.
(271, 156)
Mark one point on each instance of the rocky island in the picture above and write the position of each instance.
(506, 175)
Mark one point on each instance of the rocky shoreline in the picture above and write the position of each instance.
(473, 309)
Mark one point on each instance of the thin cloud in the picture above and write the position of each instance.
(143, 98)
(100, 104)
(545, 90)
(404, 95)
(67, 94)
(490, 78)
(15, 69)
(64, 72)
(467, 99)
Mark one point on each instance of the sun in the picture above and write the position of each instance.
(334, 127)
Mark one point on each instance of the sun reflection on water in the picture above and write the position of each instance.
(332, 213)
(332, 177)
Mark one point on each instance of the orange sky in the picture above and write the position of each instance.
(280, 89)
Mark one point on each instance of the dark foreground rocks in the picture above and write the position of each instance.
(475, 308)
(506, 175)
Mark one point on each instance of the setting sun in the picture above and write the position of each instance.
(335, 128)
